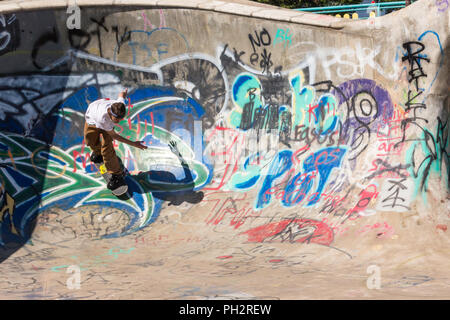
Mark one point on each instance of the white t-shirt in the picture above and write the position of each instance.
(97, 113)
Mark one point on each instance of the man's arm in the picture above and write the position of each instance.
(116, 136)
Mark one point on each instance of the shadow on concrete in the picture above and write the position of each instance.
(165, 186)
(160, 183)
(11, 245)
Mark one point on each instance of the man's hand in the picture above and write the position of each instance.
(139, 144)
(123, 94)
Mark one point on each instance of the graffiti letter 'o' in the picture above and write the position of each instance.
(365, 107)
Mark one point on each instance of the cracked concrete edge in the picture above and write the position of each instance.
(235, 7)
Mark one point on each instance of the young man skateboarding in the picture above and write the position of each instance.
(101, 116)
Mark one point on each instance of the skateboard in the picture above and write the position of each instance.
(107, 176)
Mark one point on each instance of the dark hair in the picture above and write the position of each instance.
(118, 108)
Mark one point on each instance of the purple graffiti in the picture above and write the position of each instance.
(368, 103)
(442, 5)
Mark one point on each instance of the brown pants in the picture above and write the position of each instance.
(104, 146)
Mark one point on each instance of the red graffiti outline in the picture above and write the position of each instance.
(323, 234)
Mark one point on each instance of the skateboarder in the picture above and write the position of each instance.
(101, 116)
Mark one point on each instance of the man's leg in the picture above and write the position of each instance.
(92, 138)
(110, 158)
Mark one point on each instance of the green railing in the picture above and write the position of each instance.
(375, 9)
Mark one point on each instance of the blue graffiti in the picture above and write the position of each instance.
(317, 169)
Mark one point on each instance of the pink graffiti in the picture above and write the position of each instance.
(239, 210)
(292, 230)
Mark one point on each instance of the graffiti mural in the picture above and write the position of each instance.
(248, 127)
(67, 178)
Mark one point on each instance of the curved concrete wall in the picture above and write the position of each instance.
(304, 144)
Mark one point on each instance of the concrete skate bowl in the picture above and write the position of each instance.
(290, 155)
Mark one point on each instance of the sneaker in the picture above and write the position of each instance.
(116, 182)
(96, 158)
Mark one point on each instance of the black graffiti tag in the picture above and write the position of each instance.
(394, 198)
(51, 36)
(259, 40)
(415, 61)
